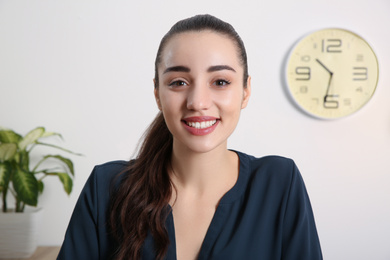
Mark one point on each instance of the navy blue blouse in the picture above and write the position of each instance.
(266, 215)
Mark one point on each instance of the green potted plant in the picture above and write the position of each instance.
(24, 180)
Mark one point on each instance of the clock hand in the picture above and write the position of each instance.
(330, 79)
(331, 73)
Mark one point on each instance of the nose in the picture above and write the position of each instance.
(199, 97)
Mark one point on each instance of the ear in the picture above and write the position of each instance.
(247, 93)
(156, 95)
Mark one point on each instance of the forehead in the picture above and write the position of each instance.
(204, 48)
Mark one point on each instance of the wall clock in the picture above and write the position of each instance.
(331, 73)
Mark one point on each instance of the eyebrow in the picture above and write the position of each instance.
(177, 68)
(186, 69)
(220, 67)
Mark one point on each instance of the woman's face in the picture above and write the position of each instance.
(200, 91)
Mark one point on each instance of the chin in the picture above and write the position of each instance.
(201, 149)
(204, 147)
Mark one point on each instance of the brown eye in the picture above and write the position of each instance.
(221, 83)
(177, 83)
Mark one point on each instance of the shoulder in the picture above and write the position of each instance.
(270, 164)
(107, 172)
(272, 170)
(272, 178)
(110, 167)
(97, 189)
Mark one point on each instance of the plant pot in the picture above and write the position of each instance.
(19, 232)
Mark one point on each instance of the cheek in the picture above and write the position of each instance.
(171, 102)
(231, 101)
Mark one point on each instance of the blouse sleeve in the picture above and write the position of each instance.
(81, 238)
(300, 238)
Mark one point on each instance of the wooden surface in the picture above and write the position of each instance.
(42, 253)
(45, 253)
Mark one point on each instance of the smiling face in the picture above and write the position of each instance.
(200, 89)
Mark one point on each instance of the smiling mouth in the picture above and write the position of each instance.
(202, 124)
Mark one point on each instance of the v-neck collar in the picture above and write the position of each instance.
(220, 213)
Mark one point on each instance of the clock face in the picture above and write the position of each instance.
(332, 73)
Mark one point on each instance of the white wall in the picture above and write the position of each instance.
(85, 68)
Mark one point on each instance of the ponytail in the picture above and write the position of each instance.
(140, 202)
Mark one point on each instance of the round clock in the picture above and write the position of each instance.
(331, 73)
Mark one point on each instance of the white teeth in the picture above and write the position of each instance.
(201, 125)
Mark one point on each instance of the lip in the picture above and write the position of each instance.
(199, 118)
(196, 131)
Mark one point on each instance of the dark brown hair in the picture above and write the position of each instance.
(140, 202)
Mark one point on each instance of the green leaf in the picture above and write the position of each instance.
(9, 136)
(67, 161)
(7, 151)
(23, 159)
(66, 181)
(26, 187)
(5, 175)
(58, 147)
(41, 186)
(31, 137)
(47, 134)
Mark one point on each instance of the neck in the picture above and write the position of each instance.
(203, 172)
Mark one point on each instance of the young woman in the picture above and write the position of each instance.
(186, 196)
